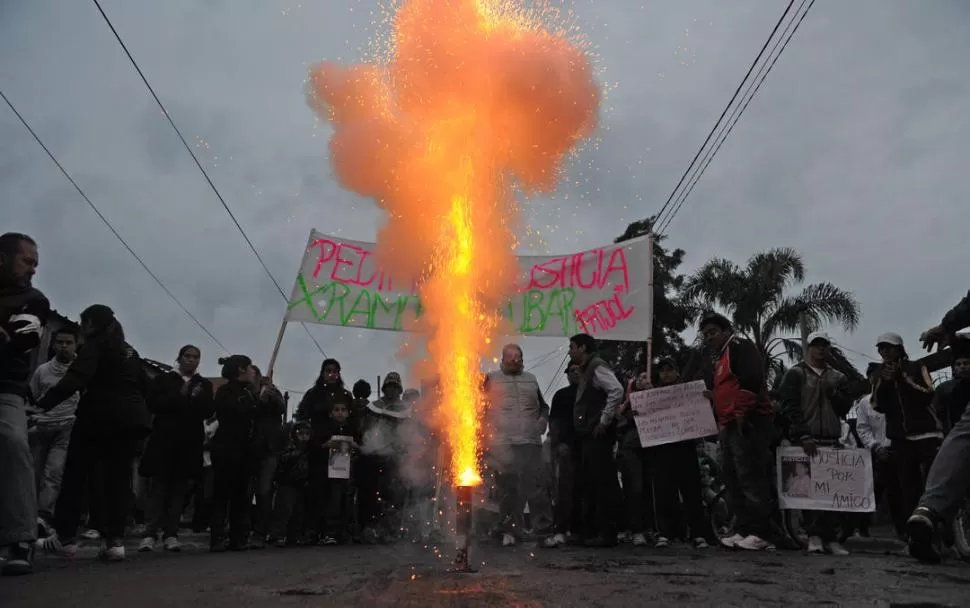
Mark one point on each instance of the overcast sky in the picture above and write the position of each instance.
(854, 152)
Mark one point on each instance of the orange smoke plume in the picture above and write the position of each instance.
(477, 95)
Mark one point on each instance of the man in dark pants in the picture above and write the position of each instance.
(948, 482)
(744, 414)
(23, 313)
(562, 439)
(598, 396)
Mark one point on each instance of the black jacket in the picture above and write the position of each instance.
(175, 445)
(114, 385)
(561, 428)
(907, 402)
(950, 401)
(294, 468)
(269, 437)
(958, 317)
(316, 405)
(23, 314)
(235, 406)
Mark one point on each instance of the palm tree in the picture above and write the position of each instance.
(756, 299)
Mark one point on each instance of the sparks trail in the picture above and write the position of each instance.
(474, 94)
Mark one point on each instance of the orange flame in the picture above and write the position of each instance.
(475, 93)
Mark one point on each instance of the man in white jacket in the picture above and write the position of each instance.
(50, 431)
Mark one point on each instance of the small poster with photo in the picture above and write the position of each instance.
(339, 464)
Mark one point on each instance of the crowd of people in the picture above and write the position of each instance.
(88, 440)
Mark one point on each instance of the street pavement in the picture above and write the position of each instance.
(403, 575)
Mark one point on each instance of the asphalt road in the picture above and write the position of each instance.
(406, 575)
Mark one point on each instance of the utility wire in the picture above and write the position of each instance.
(101, 216)
(737, 113)
(555, 376)
(198, 164)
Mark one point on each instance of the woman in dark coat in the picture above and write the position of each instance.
(112, 420)
(233, 454)
(180, 400)
(269, 441)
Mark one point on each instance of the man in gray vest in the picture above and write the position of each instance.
(517, 416)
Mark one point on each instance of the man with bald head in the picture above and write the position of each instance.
(517, 417)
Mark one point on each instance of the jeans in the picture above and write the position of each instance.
(111, 457)
(166, 498)
(288, 511)
(18, 496)
(263, 487)
(568, 499)
(746, 469)
(339, 509)
(48, 444)
(912, 461)
(948, 481)
(677, 479)
(600, 487)
(636, 494)
(232, 498)
(519, 480)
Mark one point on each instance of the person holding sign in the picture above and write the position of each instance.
(814, 401)
(744, 414)
(342, 440)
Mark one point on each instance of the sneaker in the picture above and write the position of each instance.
(508, 540)
(701, 543)
(835, 548)
(554, 541)
(280, 543)
(622, 537)
(755, 543)
(172, 544)
(662, 542)
(19, 560)
(731, 542)
(53, 545)
(91, 534)
(639, 540)
(815, 545)
(921, 527)
(328, 540)
(147, 544)
(114, 553)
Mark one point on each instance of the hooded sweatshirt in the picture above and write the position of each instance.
(46, 376)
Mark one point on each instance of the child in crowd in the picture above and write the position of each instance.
(342, 440)
(291, 484)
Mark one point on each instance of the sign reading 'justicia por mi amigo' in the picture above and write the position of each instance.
(605, 292)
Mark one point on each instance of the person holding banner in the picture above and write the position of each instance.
(744, 414)
(814, 401)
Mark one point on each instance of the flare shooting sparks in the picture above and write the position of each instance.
(475, 97)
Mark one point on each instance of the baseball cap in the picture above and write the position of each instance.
(819, 335)
(889, 338)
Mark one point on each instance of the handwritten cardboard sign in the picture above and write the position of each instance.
(603, 292)
(831, 480)
(339, 465)
(672, 413)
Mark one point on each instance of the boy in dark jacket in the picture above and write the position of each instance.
(341, 439)
(291, 484)
(813, 401)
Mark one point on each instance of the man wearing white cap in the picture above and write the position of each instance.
(903, 391)
(813, 398)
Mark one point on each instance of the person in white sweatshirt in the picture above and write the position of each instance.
(50, 431)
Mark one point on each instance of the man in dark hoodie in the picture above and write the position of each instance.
(23, 313)
(744, 414)
(813, 400)
(948, 481)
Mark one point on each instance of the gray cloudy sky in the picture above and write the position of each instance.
(853, 152)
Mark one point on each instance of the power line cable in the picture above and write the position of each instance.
(543, 359)
(555, 376)
(736, 115)
(101, 216)
(724, 113)
(198, 164)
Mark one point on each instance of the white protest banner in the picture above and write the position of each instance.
(605, 292)
(339, 465)
(672, 413)
(831, 480)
